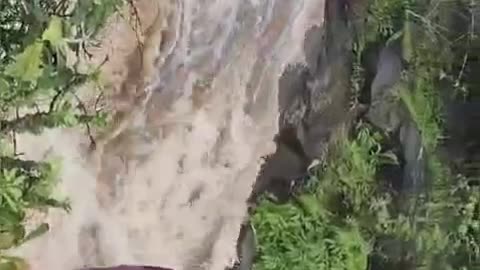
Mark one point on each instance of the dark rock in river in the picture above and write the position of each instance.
(314, 102)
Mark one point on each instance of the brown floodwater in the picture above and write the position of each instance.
(171, 188)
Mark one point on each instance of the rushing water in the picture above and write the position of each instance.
(177, 180)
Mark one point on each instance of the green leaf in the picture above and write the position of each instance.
(407, 40)
(8, 265)
(7, 240)
(4, 86)
(357, 249)
(19, 233)
(54, 32)
(12, 204)
(28, 64)
(8, 218)
(13, 263)
(311, 205)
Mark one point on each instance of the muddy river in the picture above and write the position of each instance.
(170, 189)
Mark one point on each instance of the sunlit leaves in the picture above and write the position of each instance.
(311, 232)
(54, 32)
(28, 64)
(291, 238)
(13, 263)
(24, 185)
(7, 240)
(37, 38)
(407, 42)
(11, 189)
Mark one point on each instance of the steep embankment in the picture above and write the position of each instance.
(400, 189)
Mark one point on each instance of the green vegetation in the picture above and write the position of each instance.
(435, 228)
(42, 46)
(424, 106)
(301, 240)
(318, 230)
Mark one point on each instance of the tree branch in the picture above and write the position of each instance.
(28, 122)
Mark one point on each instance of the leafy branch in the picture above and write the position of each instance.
(43, 43)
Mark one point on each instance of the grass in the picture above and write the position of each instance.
(295, 239)
(351, 173)
(424, 105)
(317, 230)
(440, 226)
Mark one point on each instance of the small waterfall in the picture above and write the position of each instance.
(171, 189)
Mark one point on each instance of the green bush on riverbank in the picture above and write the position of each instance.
(318, 230)
(435, 228)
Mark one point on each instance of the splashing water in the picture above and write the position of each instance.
(171, 189)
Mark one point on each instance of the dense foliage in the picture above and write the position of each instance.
(435, 228)
(42, 43)
(318, 230)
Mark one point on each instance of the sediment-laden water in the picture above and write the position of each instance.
(171, 188)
